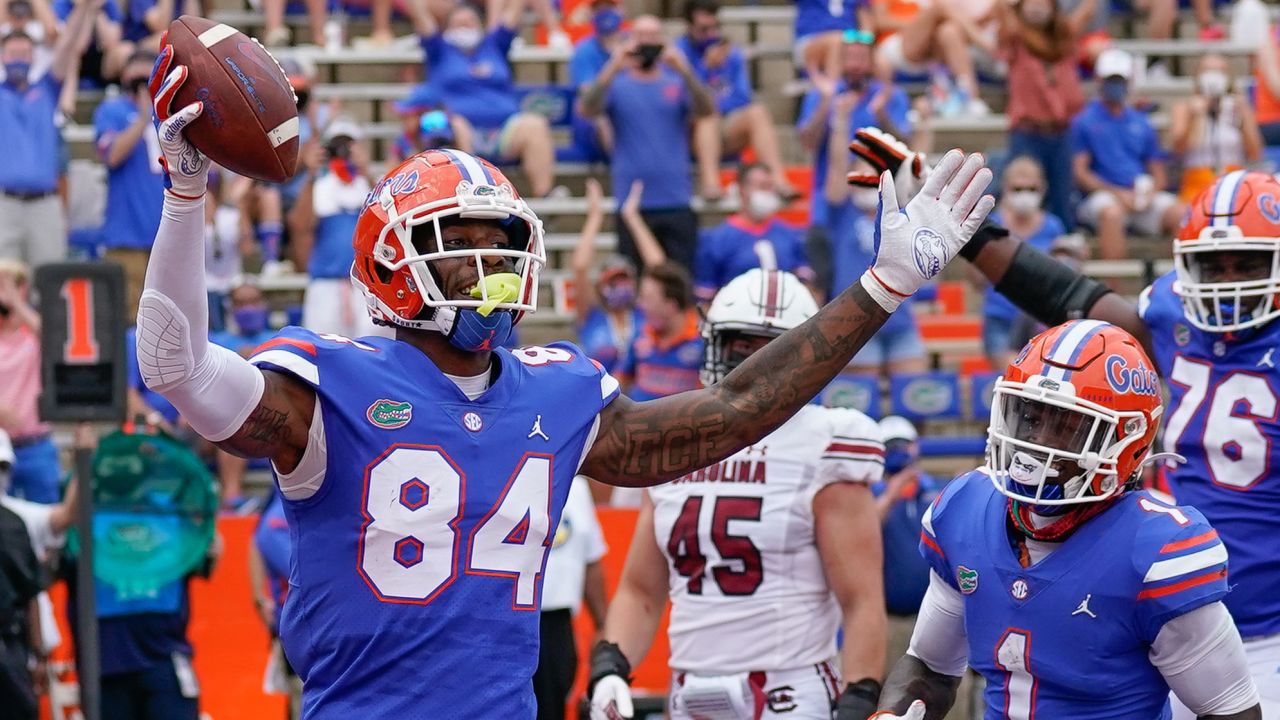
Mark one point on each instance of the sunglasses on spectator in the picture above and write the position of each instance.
(858, 37)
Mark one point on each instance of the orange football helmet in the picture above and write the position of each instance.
(1072, 419)
(429, 187)
(1238, 213)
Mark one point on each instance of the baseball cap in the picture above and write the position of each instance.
(1114, 62)
(615, 268)
(6, 450)
(896, 427)
(342, 126)
(298, 72)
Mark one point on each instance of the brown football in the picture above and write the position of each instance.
(250, 120)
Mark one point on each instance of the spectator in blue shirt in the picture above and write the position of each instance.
(102, 54)
(818, 28)
(592, 136)
(250, 327)
(605, 310)
(467, 65)
(741, 121)
(851, 224)
(902, 499)
(128, 146)
(754, 237)
(651, 97)
(876, 104)
(1021, 196)
(1118, 163)
(33, 227)
(666, 355)
(335, 192)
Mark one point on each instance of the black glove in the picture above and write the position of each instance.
(607, 659)
(859, 700)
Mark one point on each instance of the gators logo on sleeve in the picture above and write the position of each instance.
(967, 579)
(390, 414)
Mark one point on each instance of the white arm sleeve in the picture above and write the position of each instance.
(214, 389)
(939, 639)
(1201, 656)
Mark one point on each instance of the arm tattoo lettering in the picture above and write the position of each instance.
(652, 442)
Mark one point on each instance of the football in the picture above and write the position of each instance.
(250, 120)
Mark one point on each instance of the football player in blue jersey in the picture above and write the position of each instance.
(1074, 595)
(1209, 326)
(423, 475)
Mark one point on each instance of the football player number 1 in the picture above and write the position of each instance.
(1235, 448)
(1013, 655)
(411, 546)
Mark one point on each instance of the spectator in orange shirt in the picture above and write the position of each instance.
(36, 470)
(666, 355)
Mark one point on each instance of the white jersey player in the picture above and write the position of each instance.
(764, 555)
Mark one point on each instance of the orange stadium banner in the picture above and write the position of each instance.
(231, 645)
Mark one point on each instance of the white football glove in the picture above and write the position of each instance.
(915, 712)
(917, 242)
(186, 169)
(611, 699)
(886, 152)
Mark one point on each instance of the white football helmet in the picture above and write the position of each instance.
(760, 303)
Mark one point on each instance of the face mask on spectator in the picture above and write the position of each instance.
(648, 55)
(251, 319)
(866, 199)
(1024, 202)
(897, 457)
(15, 73)
(618, 295)
(762, 204)
(606, 21)
(1213, 83)
(464, 38)
(304, 96)
(1114, 90)
(4, 311)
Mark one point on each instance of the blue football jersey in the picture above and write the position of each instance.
(415, 581)
(1224, 418)
(1069, 636)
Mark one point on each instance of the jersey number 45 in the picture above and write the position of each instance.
(686, 542)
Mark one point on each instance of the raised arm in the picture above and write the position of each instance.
(227, 400)
(76, 34)
(651, 252)
(701, 100)
(591, 100)
(424, 23)
(584, 253)
(651, 442)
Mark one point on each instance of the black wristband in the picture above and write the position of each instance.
(866, 689)
(987, 232)
(859, 700)
(607, 659)
(1046, 289)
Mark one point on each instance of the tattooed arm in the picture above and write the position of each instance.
(659, 440)
(652, 442)
(279, 426)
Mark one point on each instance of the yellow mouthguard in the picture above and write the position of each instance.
(498, 288)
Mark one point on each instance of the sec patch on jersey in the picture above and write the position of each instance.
(250, 119)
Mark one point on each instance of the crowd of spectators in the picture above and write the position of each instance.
(680, 124)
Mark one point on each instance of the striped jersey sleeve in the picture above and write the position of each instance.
(293, 351)
(1182, 562)
(854, 451)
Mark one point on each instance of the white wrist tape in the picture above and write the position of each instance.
(215, 391)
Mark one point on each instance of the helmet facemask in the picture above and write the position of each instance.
(1050, 451)
(729, 344)
(415, 237)
(1215, 305)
